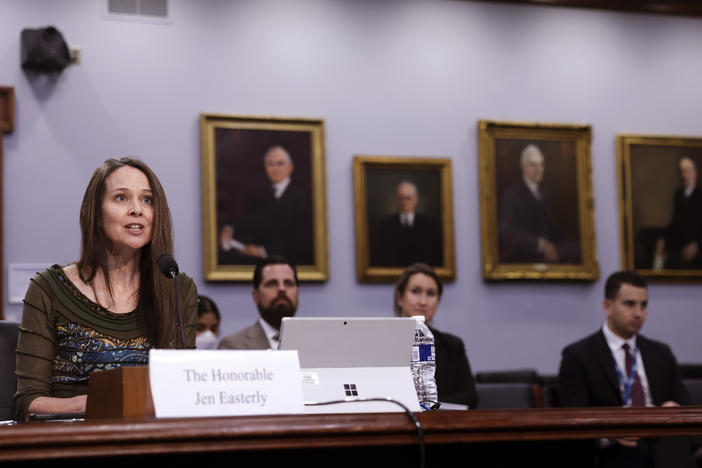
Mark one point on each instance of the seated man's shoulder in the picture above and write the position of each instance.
(447, 338)
(582, 344)
(654, 345)
(237, 340)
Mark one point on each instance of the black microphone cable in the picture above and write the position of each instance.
(410, 414)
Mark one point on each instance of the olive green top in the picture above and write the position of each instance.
(65, 336)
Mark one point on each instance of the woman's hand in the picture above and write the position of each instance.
(46, 405)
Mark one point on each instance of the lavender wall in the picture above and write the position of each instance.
(390, 78)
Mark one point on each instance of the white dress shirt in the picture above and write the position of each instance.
(407, 219)
(280, 187)
(688, 191)
(272, 334)
(615, 343)
(533, 188)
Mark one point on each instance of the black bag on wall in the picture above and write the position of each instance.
(44, 50)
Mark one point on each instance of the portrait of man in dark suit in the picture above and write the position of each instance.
(404, 215)
(536, 201)
(263, 195)
(662, 213)
(406, 236)
(680, 246)
(531, 229)
(264, 189)
(277, 222)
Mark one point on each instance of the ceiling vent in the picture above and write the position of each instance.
(137, 9)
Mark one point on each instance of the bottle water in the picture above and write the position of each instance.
(423, 365)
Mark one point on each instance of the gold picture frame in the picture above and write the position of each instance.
(7, 109)
(244, 217)
(654, 206)
(537, 224)
(384, 247)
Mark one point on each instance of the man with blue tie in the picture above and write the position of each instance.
(616, 366)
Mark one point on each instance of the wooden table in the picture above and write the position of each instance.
(282, 437)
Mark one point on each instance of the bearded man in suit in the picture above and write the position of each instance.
(275, 293)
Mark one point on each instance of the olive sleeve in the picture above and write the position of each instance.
(36, 346)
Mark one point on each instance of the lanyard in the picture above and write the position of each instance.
(627, 383)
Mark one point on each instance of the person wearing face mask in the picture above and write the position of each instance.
(208, 319)
(275, 294)
(417, 292)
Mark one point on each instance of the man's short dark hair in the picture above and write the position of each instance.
(615, 281)
(273, 260)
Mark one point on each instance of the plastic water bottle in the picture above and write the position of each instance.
(423, 365)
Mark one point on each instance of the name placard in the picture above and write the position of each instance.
(192, 383)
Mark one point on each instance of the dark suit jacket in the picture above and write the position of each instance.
(587, 376)
(454, 379)
(393, 244)
(252, 337)
(685, 227)
(283, 226)
(523, 219)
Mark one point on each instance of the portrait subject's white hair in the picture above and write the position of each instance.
(408, 182)
(274, 147)
(529, 150)
(688, 158)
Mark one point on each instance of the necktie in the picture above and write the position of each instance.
(637, 393)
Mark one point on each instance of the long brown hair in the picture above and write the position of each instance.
(403, 280)
(156, 301)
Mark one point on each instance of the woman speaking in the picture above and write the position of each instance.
(111, 306)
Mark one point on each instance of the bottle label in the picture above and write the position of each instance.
(423, 352)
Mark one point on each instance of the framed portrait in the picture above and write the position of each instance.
(536, 201)
(7, 109)
(263, 194)
(660, 205)
(404, 214)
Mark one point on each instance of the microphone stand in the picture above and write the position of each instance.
(180, 314)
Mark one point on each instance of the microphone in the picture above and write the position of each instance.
(168, 266)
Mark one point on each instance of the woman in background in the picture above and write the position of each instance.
(208, 319)
(417, 292)
(111, 306)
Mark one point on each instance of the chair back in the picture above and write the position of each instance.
(529, 376)
(8, 381)
(694, 388)
(506, 395)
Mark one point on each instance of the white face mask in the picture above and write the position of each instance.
(206, 340)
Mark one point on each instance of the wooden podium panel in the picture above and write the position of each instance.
(123, 392)
(298, 438)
